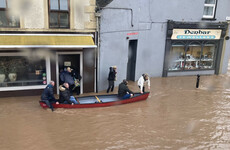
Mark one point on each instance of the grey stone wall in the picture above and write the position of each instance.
(148, 19)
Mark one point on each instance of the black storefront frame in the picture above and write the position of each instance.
(194, 25)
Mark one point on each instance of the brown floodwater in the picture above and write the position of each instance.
(175, 116)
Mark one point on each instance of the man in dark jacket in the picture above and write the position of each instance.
(48, 95)
(111, 78)
(66, 77)
(65, 95)
(123, 90)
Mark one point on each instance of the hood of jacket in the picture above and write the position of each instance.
(62, 88)
(111, 69)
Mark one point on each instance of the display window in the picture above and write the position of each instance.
(176, 57)
(22, 71)
(192, 59)
(192, 56)
(207, 57)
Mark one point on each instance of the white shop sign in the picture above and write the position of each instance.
(194, 34)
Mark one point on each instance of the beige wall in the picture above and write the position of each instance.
(33, 15)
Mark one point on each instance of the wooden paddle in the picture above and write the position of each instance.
(77, 100)
(98, 99)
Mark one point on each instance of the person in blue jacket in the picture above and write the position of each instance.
(48, 95)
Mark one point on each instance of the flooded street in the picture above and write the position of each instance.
(175, 116)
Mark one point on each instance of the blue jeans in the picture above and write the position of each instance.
(126, 96)
(72, 99)
(49, 103)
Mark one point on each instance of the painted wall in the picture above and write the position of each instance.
(34, 15)
(149, 20)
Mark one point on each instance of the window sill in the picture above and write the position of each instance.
(22, 88)
(12, 27)
(211, 19)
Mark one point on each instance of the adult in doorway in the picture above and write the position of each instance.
(112, 78)
(143, 80)
(66, 77)
(124, 91)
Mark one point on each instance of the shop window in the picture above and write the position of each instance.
(176, 57)
(18, 71)
(209, 9)
(192, 59)
(7, 20)
(192, 56)
(59, 14)
(207, 57)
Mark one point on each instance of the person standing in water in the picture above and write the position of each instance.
(143, 80)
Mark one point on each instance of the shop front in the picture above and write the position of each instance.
(28, 62)
(193, 48)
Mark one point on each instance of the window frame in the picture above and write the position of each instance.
(33, 87)
(58, 11)
(214, 6)
(7, 17)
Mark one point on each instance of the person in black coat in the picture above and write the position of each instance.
(65, 95)
(48, 95)
(111, 78)
(124, 91)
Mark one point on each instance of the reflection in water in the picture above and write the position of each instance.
(175, 116)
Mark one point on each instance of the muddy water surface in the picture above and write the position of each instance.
(175, 116)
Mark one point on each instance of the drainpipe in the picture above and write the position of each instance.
(97, 15)
(224, 48)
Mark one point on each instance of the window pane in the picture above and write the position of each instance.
(63, 4)
(210, 1)
(207, 57)
(13, 21)
(54, 5)
(64, 20)
(193, 57)
(2, 3)
(208, 11)
(54, 20)
(176, 58)
(21, 71)
(3, 19)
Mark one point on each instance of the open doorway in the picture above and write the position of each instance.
(132, 55)
(72, 60)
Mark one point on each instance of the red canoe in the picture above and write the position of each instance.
(100, 101)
